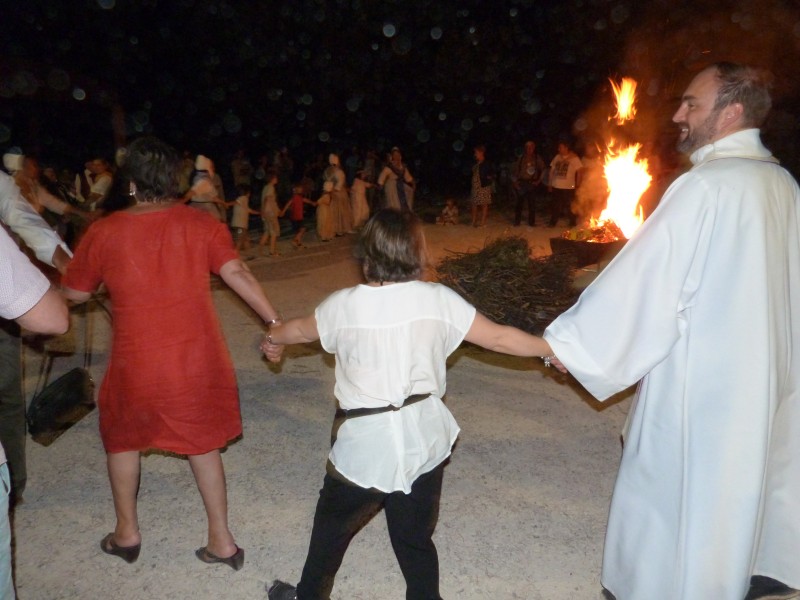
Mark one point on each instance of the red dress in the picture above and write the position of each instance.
(170, 382)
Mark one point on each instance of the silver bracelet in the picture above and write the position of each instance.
(547, 359)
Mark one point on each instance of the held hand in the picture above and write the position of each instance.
(551, 360)
(273, 352)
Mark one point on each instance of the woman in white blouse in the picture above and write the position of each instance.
(391, 337)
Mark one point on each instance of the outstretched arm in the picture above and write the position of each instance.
(236, 274)
(239, 278)
(294, 331)
(508, 340)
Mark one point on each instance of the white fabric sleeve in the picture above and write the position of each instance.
(21, 284)
(22, 218)
(629, 318)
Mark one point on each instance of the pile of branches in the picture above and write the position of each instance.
(504, 283)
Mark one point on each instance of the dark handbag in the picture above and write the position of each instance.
(59, 405)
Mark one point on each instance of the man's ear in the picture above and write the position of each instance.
(732, 114)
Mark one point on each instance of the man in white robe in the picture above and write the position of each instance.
(702, 307)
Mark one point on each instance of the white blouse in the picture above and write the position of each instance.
(392, 342)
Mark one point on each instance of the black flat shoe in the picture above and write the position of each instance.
(766, 588)
(235, 561)
(127, 553)
(280, 590)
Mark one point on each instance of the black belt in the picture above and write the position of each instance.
(363, 412)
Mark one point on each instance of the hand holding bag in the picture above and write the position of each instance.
(59, 405)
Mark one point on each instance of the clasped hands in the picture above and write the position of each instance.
(272, 351)
(553, 361)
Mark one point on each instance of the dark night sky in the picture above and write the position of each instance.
(434, 77)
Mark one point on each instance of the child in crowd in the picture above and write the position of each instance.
(391, 337)
(269, 215)
(295, 206)
(449, 214)
(241, 217)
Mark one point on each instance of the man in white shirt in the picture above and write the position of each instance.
(18, 215)
(27, 298)
(564, 179)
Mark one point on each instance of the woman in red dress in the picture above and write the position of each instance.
(170, 383)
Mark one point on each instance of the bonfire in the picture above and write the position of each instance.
(626, 175)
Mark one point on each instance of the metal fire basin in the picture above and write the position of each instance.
(587, 253)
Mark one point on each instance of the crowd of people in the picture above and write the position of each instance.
(344, 194)
(341, 193)
(700, 307)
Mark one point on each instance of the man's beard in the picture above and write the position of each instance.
(702, 134)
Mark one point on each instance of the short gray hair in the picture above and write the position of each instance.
(745, 85)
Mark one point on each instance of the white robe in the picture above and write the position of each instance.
(703, 306)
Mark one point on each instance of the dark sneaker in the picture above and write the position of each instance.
(766, 588)
(280, 590)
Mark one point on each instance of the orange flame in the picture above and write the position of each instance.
(625, 174)
(627, 179)
(625, 96)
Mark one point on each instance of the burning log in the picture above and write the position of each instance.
(504, 283)
(603, 232)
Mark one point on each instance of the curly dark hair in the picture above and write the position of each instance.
(391, 247)
(154, 167)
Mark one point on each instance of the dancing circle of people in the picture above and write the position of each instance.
(706, 501)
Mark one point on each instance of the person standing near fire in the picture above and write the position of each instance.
(564, 179)
(526, 180)
(482, 187)
(703, 306)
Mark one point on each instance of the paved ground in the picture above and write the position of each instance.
(525, 495)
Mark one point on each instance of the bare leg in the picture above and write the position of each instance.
(210, 477)
(484, 213)
(123, 473)
(474, 215)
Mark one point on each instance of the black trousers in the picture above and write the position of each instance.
(343, 509)
(525, 195)
(561, 205)
(12, 406)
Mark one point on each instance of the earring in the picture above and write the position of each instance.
(132, 189)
